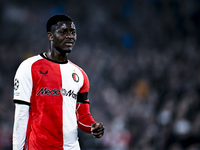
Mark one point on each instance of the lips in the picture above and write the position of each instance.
(69, 42)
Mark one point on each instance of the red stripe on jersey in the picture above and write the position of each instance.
(46, 107)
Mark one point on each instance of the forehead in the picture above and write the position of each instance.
(65, 25)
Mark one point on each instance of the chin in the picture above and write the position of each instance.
(67, 50)
(64, 51)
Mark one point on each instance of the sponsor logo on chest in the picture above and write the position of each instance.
(64, 92)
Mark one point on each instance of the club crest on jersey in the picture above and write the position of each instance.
(75, 77)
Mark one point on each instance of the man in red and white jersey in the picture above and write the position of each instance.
(51, 95)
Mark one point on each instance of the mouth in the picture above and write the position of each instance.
(69, 43)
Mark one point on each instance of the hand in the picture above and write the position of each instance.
(97, 129)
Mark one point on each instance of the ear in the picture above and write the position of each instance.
(50, 36)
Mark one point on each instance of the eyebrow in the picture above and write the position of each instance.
(72, 29)
(65, 27)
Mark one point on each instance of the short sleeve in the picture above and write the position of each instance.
(23, 83)
(83, 93)
(86, 84)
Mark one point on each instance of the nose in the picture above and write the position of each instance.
(68, 35)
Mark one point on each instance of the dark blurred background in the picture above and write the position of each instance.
(142, 59)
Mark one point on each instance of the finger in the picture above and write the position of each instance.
(97, 124)
(98, 129)
(98, 133)
(98, 136)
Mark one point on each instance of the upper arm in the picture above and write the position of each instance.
(23, 83)
(86, 85)
(83, 92)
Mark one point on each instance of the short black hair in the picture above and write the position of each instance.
(55, 19)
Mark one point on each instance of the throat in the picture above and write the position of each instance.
(56, 57)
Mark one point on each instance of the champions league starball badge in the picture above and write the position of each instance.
(75, 77)
(16, 84)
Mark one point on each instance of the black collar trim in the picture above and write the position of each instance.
(55, 61)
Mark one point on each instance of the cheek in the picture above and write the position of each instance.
(58, 41)
(58, 37)
(75, 38)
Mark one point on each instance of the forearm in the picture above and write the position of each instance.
(84, 118)
(20, 126)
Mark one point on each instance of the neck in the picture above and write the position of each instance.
(56, 55)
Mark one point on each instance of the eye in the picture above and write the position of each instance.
(73, 32)
(63, 32)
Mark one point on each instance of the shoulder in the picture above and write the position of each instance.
(77, 67)
(74, 65)
(32, 59)
(25, 66)
(29, 61)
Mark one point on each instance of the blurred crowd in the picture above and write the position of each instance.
(142, 59)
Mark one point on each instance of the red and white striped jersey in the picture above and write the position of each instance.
(54, 91)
